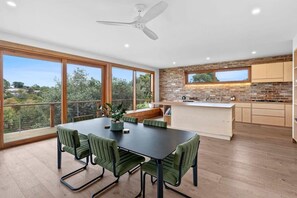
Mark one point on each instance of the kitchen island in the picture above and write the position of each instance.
(207, 119)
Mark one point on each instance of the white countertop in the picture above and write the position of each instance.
(196, 104)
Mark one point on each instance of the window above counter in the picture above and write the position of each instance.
(219, 76)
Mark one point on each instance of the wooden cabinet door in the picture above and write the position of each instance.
(288, 71)
(288, 120)
(246, 115)
(275, 72)
(259, 72)
(238, 114)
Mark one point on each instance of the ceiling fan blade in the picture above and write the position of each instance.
(155, 11)
(150, 33)
(116, 23)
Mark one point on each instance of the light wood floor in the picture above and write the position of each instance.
(260, 161)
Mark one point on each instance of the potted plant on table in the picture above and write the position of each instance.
(116, 112)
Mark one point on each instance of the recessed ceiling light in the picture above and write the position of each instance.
(127, 45)
(256, 11)
(11, 3)
(207, 58)
(254, 52)
(173, 62)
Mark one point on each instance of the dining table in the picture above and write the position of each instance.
(153, 142)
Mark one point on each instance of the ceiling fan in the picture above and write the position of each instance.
(140, 21)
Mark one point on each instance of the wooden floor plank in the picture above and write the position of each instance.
(260, 161)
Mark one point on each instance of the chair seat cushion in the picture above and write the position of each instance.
(82, 151)
(127, 161)
(170, 174)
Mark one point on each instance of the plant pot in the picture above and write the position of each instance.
(116, 126)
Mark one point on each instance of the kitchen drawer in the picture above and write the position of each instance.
(268, 106)
(276, 121)
(248, 105)
(269, 112)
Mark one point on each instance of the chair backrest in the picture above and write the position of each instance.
(186, 152)
(130, 119)
(83, 117)
(155, 123)
(103, 148)
(68, 137)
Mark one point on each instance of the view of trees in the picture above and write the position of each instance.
(19, 115)
(201, 77)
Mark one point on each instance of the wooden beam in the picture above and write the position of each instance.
(64, 92)
(108, 84)
(134, 91)
(1, 102)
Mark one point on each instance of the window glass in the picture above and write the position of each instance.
(32, 97)
(84, 90)
(144, 93)
(235, 75)
(200, 77)
(122, 87)
(216, 76)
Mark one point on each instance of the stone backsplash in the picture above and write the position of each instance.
(172, 84)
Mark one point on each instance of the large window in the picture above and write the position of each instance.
(144, 94)
(234, 75)
(122, 87)
(84, 90)
(32, 97)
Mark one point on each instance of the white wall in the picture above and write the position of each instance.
(59, 48)
(294, 133)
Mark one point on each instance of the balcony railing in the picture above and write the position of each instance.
(21, 117)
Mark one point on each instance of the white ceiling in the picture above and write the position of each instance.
(189, 30)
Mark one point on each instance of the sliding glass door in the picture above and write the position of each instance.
(31, 97)
(84, 90)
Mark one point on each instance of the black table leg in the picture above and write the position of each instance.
(160, 179)
(195, 172)
(59, 153)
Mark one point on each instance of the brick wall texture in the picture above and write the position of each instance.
(172, 84)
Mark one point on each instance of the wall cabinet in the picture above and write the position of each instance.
(288, 68)
(271, 72)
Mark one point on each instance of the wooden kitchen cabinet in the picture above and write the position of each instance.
(246, 115)
(243, 112)
(269, 114)
(238, 114)
(288, 121)
(288, 69)
(271, 72)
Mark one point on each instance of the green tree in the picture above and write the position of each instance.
(202, 77)
(18, 84)
(143, 90)
(6, 84)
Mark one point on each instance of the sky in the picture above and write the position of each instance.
(45, 73)
(40, 72)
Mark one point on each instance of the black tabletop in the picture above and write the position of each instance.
(152, 142)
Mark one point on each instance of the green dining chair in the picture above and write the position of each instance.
(175, 165)
(110, 157)
(82, 118)
(130, 119)
(69, 141)
(155, 123)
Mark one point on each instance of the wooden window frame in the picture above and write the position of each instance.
(186, 74)
(14, 49)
